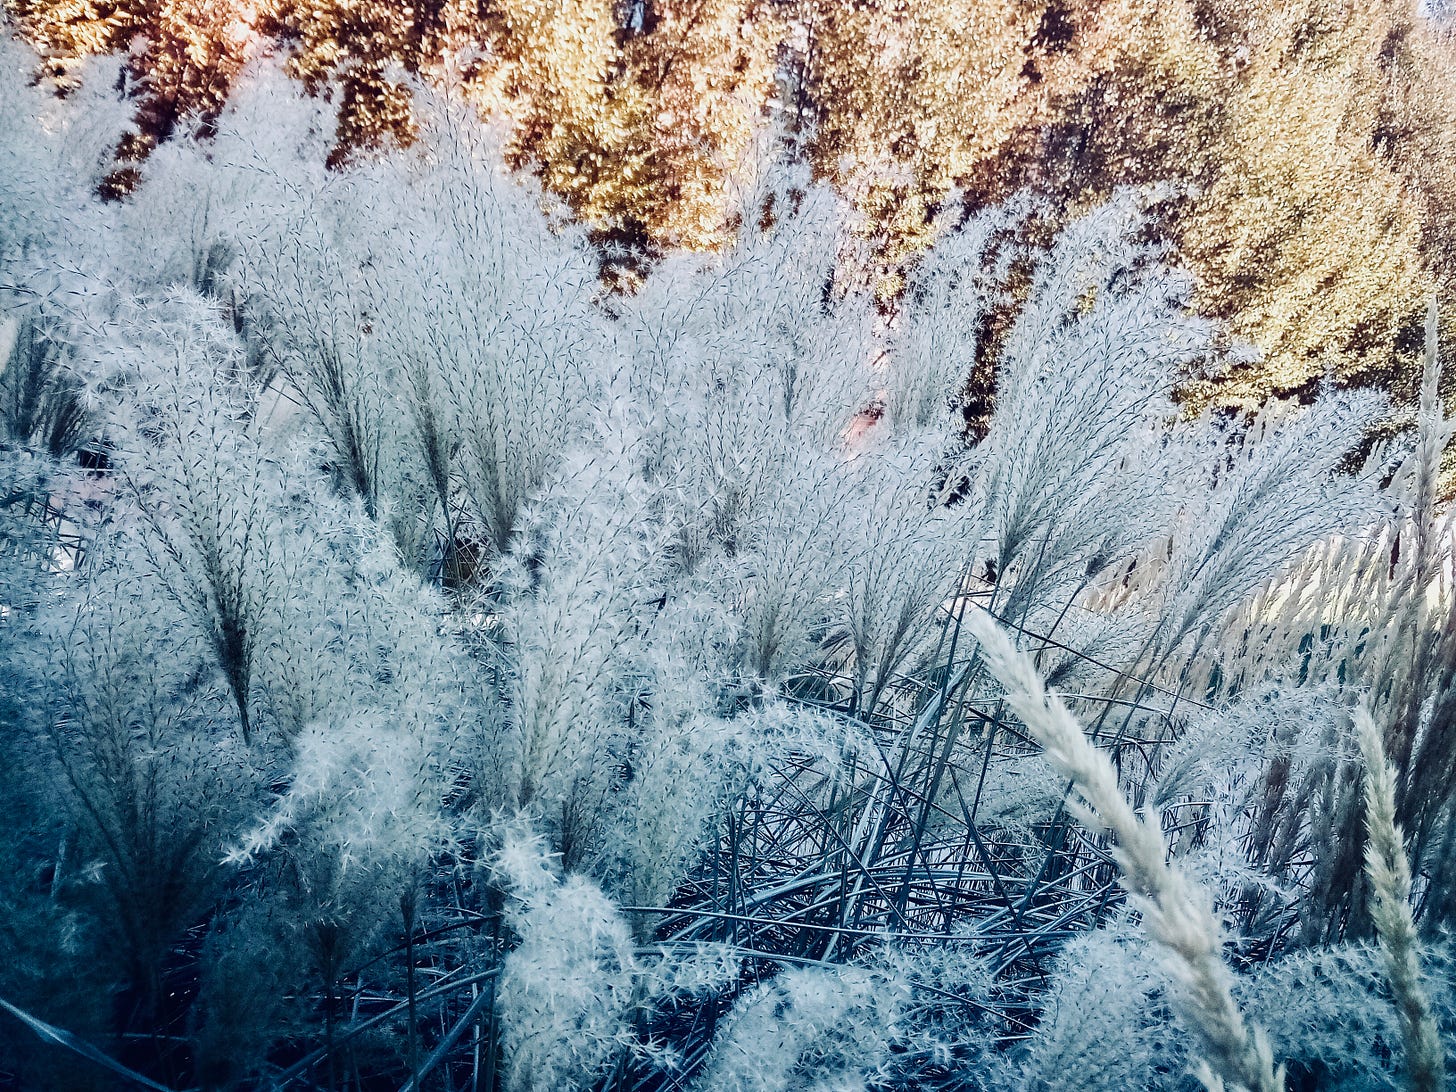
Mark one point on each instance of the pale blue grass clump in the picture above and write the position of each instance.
(421, 664)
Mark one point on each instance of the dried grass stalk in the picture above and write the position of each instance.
(1175, 912)
(1390, 879)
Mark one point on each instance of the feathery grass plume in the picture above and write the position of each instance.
(612, 578)
(933, 340)
(1274, 492)
(1367, 606)
(789, 564)
(42, 400)
(753, 363)
(502, 351)
(1389, 872)
(576, 996)
(1327, 1011)
(1100, 1028)
(903, 552)
(883, 1021)
(210, 197)
(1077, 471)
(54, 279)
(364, 800)
(1176, 915)
(361, 821)
(370, 771)
(812, 1029)
(441, 329)
(676, 761)
(1245, 754)
(1414, 670)
(49, 164)
(207, 497)
(567, 988)
(304, 275)
(578, 591)
(144, 767)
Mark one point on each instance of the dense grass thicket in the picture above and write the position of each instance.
(423, 668)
